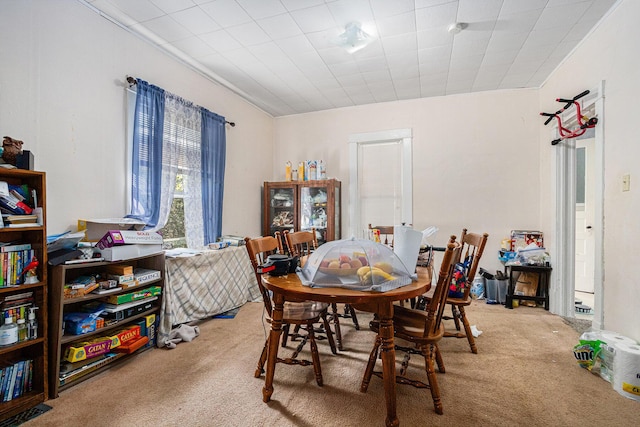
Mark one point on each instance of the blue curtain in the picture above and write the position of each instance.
(147, 153)
(214, 146)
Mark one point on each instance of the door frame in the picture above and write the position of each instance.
(355, 140)
(563, 301)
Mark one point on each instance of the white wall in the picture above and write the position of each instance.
(475, 158)
(62, 92)
(609, 54)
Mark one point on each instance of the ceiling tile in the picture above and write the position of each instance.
(226, 13)
(280, 26)
(385, 8)
(220, 40)
(194, 20)
(166, 28)
(345, 11)
(300, 4)
(259, 9)
(140, 11)
(171, 6)
(248, 34)
(313, 19)
(193, 46)
(397, 24)
(436, 16)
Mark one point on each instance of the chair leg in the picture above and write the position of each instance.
(262, 360)
(368, 372)
(429, 356)
(467, 329)
(285, 334)
(439, 360)
(352, 314)
(336, 325)
(314, 354)
(456, 316)
(332, 343)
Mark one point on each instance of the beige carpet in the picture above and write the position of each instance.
(524, 374)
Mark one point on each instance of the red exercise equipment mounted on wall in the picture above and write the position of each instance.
(584, 122)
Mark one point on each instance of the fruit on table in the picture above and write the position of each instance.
(334, 264)
(355, 263)
(344, 258)
(367, 274)
(345, 265)
(384, 266)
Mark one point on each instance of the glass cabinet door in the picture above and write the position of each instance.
(282, 209)
(313, 211)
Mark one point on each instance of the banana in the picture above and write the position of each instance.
(384, 266)
(368, 276)
(363, 270)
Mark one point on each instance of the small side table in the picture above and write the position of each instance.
(542, 294)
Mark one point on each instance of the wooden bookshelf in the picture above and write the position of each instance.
(35, 349)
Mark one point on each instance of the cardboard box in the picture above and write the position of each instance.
(96, 228)
(125, 335)
(87, 350)
(144, 275)
(119, 269)
(124, 252)
(151, 291)
(129, 237)
(148, 328)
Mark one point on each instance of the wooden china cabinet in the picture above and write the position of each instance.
(302, 205)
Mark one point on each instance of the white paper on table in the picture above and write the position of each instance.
(406, 245)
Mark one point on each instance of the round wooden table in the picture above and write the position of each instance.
(290, 288)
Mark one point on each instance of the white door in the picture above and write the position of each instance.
(585, 197)
(380, 187)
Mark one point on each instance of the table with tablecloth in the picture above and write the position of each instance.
(204, 285)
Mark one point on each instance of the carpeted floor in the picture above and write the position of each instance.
(524, 374)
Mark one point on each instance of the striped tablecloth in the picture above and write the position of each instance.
(204, 285)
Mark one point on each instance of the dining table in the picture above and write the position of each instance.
(290, 288)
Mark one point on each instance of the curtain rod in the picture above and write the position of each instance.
(132, 82)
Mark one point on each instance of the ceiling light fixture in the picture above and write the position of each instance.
(354, 37)
(456, 27)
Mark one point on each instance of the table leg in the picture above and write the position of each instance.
(385, 312)
(274, 340)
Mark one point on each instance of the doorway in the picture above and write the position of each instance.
(571, 262)
(380, 180)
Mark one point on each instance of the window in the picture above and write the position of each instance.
(177, 167)
(173, 233)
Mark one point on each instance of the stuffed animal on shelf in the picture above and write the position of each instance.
(11, 148)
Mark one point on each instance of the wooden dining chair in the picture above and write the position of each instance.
(304, 313)
(472, 249)
(421, 329)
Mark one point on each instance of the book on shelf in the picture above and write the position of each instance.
(17, 386)
(14, 247)
(8, 395)
(20, 219)
(94, 365)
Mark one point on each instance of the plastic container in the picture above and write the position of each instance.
(492, 291)
(22, 330)
(287, 171)
(32, 325)
(8, 332)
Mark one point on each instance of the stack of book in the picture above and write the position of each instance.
(13, 199)
(13, 260)
(80, 286)
(16, 379)
(20, 220)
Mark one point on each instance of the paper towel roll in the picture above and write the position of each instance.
(626, 370)
(406, 245)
